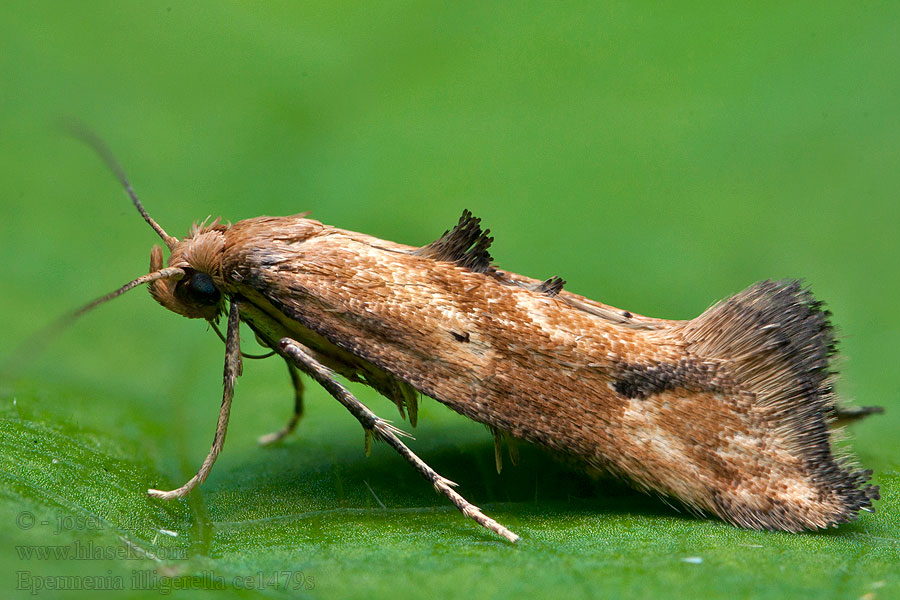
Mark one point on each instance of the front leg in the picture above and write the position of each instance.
(232, 371)
(380, 428)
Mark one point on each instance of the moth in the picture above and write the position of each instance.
(731, 412)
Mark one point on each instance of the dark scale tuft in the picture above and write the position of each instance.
(466, 245)
(460, 337)
(777, 342)
(641, 381)
(551, 287)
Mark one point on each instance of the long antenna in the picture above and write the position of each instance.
(36, 342)
(82, 133)
(167, 273)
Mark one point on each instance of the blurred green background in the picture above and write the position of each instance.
(657, 158)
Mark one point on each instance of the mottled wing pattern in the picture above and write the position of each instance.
(643, 398)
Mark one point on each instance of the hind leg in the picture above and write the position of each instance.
(275, 436)
(381, 429)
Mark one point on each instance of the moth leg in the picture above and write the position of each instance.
(378, 427)
(271, 438)
(232, 371)
(851, 414)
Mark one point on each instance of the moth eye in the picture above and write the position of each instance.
(202, 290)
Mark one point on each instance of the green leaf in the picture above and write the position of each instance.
(656, 157)
(313, 514)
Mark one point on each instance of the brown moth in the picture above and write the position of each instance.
(729, 412)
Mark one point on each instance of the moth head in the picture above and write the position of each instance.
(191, 283)
(197, 294)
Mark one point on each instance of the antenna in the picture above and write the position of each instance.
(80, 132)
(36, 342)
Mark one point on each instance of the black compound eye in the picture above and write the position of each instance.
(202, 290)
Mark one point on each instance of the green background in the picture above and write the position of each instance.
(656, 158)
